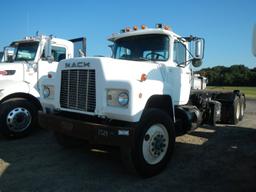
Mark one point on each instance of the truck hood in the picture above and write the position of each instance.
(114, 69)
(11, 71)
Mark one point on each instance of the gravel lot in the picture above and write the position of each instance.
(209, 159)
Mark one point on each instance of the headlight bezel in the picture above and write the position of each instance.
(118, 98)
(48, 91)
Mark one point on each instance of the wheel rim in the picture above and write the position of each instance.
(238, 111)
(155, 144)
(18, 119)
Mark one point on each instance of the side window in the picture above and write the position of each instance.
(58, 53)
(123, 53)
(179, 53)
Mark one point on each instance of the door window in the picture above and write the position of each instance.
(179, 53)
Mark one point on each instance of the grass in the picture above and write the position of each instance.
(250, 92)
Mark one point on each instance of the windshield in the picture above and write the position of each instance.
(26, 51)
(153, 47)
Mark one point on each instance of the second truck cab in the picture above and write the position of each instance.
(24, 64)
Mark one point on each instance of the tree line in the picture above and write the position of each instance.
(235, 75)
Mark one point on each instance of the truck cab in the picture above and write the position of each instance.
(24, 65)
(141, 59)
(136, 100)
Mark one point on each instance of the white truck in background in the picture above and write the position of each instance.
(137, 100)
(24, 64)
(199, 82)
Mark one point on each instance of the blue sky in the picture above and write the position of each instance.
(226, 25)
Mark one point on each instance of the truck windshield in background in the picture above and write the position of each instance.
(153, 47)
(26, 51)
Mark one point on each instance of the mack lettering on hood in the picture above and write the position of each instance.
(78, 64)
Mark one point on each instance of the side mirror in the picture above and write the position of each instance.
(48, 51)
(8, 54)
(254, 41)
(198, 51)
(199, 48)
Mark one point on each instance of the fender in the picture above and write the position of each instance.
(10, 87)
(163, 102)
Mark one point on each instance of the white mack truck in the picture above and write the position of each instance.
(137, 100)
(24, 64)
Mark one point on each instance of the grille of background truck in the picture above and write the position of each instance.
(78, 90)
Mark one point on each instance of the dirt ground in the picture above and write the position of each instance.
(209, 159)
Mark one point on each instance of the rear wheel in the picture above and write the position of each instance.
(18, 118)
(154, 143)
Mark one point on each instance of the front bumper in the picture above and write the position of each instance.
(94, 132)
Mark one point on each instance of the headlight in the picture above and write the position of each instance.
(48, 91)
(123, 99)
(117, 97)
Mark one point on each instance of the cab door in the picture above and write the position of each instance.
(180, 58)
(179, 74)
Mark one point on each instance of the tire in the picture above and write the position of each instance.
(18, 118)
(67, 141)
(235, 111)
(242, 108)
(153, 144)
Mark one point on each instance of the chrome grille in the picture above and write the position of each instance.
(78, 90)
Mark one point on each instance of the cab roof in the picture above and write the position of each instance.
(37, 39)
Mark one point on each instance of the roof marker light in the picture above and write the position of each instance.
(167, 28)
(143, 26)
(135, 28)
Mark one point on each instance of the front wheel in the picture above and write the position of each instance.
(154, 143)
(18, 118)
